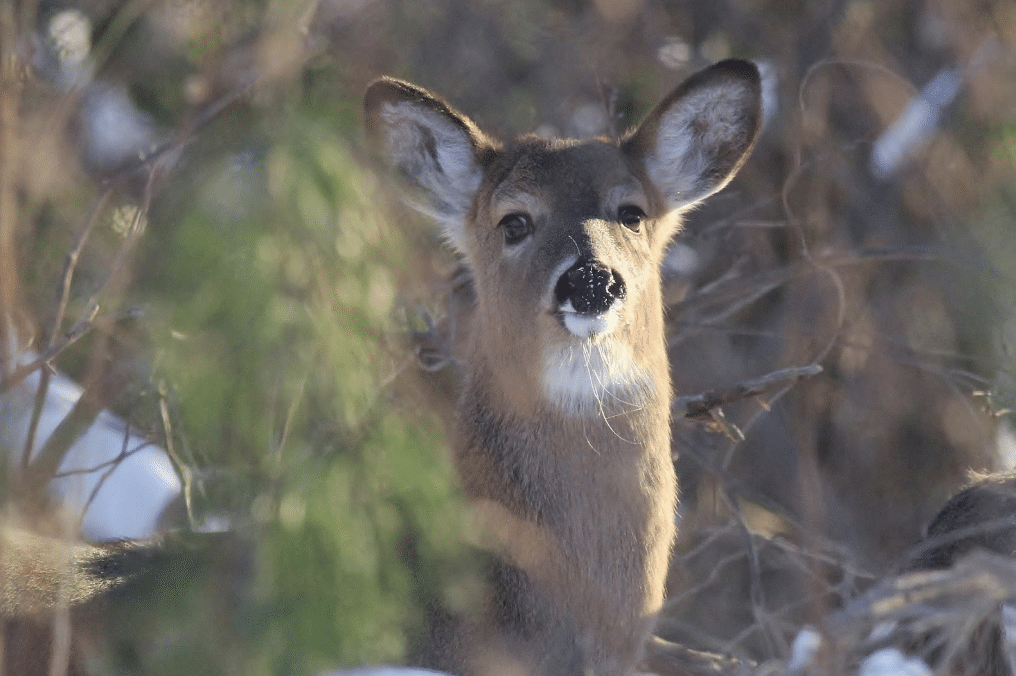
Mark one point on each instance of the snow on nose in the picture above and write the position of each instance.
(587, 295)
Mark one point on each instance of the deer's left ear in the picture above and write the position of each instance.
(696, 139)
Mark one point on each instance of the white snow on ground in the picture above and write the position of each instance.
(804, 648)
(891, 662)
(130, 500)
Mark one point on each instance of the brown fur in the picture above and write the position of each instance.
(39, 573)
(572, 482)
(47, 589)
(981, 516)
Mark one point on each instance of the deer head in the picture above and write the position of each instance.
(565, 238)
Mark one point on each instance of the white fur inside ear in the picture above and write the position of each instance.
(686, 163)
(438, 156)
(589, 377)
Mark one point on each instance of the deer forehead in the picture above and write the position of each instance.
(580, 180)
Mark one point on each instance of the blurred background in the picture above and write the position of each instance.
(218, 321)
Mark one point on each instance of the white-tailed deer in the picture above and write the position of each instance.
(562, 436)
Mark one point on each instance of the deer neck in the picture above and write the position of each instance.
(543, 376)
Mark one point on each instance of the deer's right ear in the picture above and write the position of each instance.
(436, 148)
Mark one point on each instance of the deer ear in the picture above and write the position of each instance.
(436, 148)
(696, 139)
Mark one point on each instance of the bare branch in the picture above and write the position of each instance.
(665, 657)
(186, 474)
(112, 462)
(41, 469)
(55, 346)
(700, 407)
(81, 328)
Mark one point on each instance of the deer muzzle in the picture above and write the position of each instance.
(588, 295)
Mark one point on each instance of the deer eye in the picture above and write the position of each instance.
(631, 217)
(516, 227)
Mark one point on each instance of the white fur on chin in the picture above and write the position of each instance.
(591, 375)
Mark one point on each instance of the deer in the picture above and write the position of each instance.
(561, 437)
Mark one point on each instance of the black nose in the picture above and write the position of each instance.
(591, 287)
